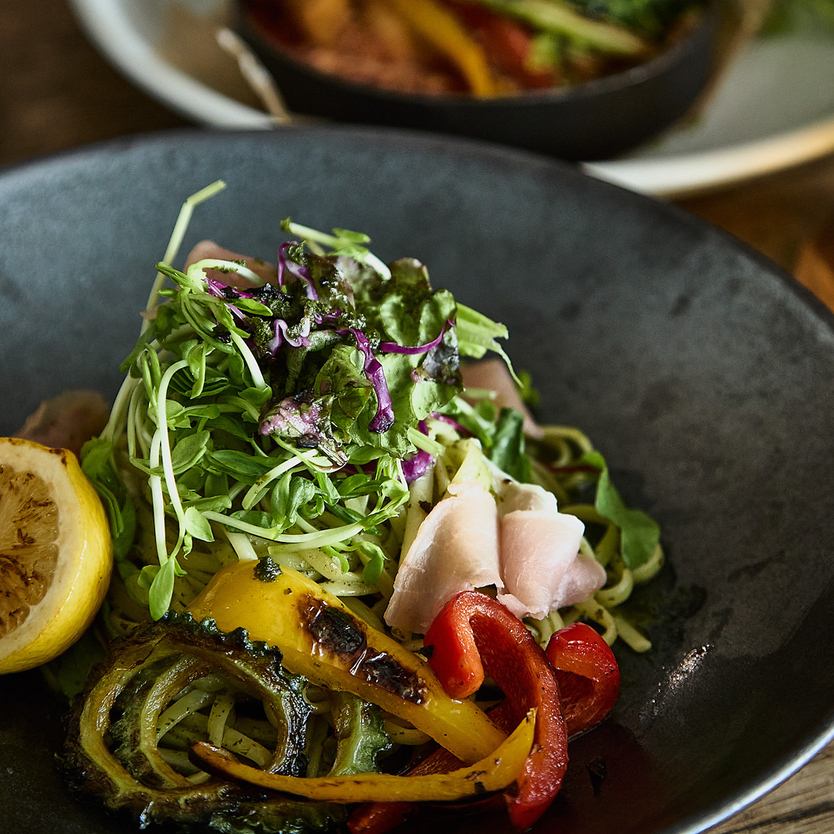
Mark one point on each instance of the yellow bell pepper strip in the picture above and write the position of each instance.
(441, 28)
(321, 639)
(496, 771)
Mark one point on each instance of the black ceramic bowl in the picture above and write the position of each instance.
(598, 119)
(702, 373)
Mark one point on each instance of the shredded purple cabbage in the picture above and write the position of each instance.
(384, 417)
(444, 418)
(302, 273)
(281, 328)
(227, 291)
(393, 347)
(220, 290)
(328, 318)
(417, 465)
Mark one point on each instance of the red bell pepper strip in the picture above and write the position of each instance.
(588, 680)
(588, 676)
(474, 634)
(381, 817)
(507, 42)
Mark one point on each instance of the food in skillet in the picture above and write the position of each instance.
(344, 584)
(477, 47)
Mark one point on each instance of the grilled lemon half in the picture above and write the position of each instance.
(55, 553)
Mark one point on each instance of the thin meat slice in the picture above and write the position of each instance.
(541, 565)
(67, 421)
(455, 549)
(522, 545)
(209, 249)
(492, 375)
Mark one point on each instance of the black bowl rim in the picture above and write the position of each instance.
(587, 90)
(806, 747)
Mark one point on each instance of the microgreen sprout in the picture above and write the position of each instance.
(284, 418)
(340, 242)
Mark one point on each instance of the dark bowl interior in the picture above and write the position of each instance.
(701, 371)
(598, 119)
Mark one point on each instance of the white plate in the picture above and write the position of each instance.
(774, 107)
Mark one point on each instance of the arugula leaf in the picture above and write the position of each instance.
(640, 534)
(507, 451)
(477, 334)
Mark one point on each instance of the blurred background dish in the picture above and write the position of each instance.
(462, 69)
(479, 48)
(768, 111)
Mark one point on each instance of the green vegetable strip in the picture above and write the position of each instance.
(155, 483)
(420, 495)
(165, 442)
(645, 572)
(241, 544)
(632, 637)
(559, 18)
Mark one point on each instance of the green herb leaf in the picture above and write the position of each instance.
(197, 525)
(189, 451)
(508, 452)
(640, 534)
(162, 589)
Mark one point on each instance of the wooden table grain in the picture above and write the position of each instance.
(56, 92)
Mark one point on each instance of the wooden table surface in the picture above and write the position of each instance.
(56, 92)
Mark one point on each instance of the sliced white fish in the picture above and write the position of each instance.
(455, 549)
(541, 566)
